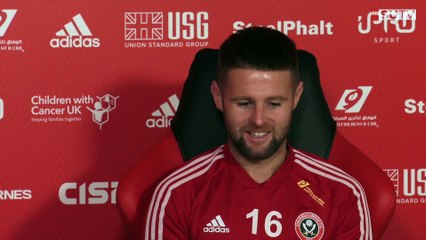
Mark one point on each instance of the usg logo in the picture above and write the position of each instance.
(163, 116)
(75, 34)
(70, 193)
(143, 25)
(180, 25)
(352, 100)
(166, 29)
(6, 17)
(414, 182)
(409, 184)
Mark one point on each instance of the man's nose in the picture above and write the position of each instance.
(258, 116)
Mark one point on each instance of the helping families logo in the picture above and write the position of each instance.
(53, 108)
(102, 108)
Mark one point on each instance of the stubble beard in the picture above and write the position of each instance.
(257, 156)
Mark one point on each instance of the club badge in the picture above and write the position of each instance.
(309, 226)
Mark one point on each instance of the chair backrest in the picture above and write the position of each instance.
(312, 127)
(198, 126)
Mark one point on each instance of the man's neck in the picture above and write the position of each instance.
(263, 170)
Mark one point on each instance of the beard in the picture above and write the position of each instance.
(257, 156)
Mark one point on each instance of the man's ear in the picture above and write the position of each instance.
(217, 95)
(297, 94)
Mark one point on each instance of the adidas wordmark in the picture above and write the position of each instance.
(75, 34)
(216, 225)
(163, 115)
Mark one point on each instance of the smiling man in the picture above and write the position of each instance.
(257, 186)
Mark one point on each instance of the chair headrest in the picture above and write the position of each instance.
(198, 126)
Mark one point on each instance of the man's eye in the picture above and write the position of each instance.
(243, 103)
(275, 104)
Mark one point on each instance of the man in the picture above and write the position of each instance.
(257, 186)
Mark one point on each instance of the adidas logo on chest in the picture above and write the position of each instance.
(216, 225)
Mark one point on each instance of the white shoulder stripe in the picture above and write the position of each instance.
(163, 190)
(175, 173)
(177, 184)
(321, 162)
(332, 172)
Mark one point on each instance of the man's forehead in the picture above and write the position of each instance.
(260, 72)
(267, 98)
(241, 76)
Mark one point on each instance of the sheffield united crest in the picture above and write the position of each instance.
(309, 226)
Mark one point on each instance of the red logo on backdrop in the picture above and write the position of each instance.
(166, 29)
(392, 23)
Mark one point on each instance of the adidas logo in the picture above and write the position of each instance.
(75, 34)
(216, 225)
(163, 115)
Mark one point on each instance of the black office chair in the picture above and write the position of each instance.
(198, 126)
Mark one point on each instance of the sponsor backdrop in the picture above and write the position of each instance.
(86, 87)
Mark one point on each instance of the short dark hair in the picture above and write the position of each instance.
(259, 48)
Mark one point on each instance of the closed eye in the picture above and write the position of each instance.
(274, 104)
(276, 101)
(244, 103)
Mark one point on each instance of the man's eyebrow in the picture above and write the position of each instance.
(271, 98)
(280, 98)
(238, 98)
